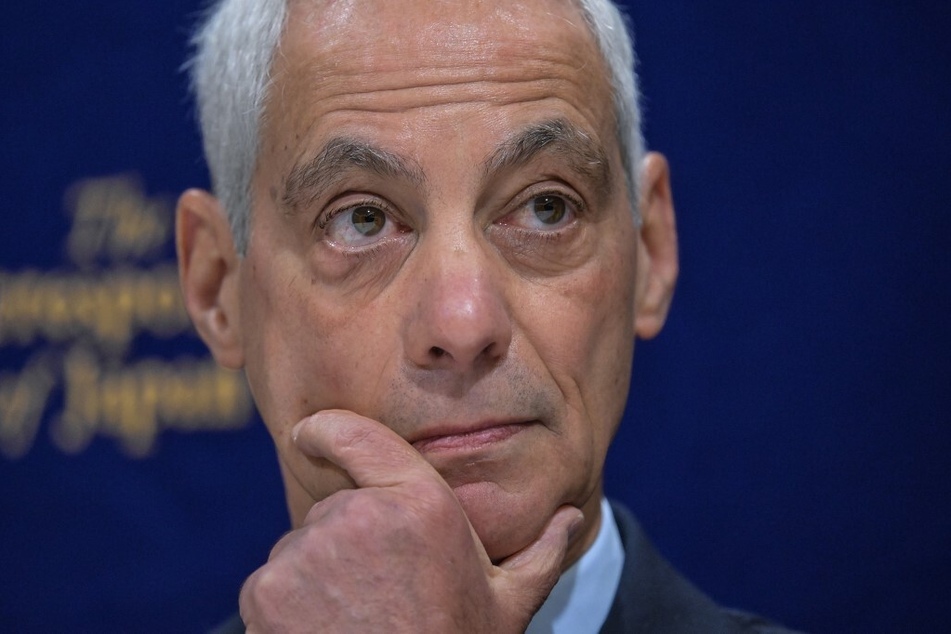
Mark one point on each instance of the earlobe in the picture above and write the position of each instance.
(208, 271)
(657, 262)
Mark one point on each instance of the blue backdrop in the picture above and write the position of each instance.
(787, 441)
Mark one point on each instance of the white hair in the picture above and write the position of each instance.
(230, 72)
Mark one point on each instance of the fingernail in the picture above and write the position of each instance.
(295, 432)
(575, 527)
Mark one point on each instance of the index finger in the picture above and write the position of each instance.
(369, 451)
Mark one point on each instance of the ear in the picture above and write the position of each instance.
(657, 263)
(208, 272)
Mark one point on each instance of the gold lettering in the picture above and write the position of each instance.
(169, 317)
(112, 216)
(134, 403)
(90, 221)
(141, 227)
(102, 312)
(15, 303)
(232, 398)
(83, 302)
(113, 307)
(80, 418)
(56, 312)
(22, 402)
(150, 377)
(124, 417)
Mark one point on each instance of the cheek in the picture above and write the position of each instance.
(302, 358)
(611, 336)
(306, 350)
(581, 326)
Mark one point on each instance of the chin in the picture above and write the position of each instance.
(505, 522)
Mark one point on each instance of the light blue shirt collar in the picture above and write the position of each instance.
(580, 601)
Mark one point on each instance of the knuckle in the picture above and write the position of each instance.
(280, 545)
(254, 606)
(369, 514)
(265, 586)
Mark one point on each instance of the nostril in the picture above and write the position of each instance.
(437, 352)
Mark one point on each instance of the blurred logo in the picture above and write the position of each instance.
(94, 339)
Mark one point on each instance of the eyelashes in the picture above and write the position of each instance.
(358, 224)
(354, 223)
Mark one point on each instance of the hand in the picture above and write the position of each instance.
(397, 553)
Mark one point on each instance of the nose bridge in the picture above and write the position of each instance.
(461, 317)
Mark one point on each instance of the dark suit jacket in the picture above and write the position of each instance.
(651, 597)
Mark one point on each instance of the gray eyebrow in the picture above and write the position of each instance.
(560, 137)
(340, 155)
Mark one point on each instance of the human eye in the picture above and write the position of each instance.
(544, 212)
(359, 224)
(546, 229)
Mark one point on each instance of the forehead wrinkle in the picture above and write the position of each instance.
(557, 136)
(339, 156)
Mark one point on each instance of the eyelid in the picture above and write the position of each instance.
(332, 210)
(576, 201)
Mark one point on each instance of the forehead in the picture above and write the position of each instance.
(394, 29)
(381, 55)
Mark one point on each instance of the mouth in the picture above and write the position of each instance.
(471, 438)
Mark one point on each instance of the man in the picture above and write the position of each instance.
(435, 239)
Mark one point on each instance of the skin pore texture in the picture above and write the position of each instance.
(444, 278)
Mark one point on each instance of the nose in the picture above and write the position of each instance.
(461, 320)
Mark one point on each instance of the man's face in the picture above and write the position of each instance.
(442, 241)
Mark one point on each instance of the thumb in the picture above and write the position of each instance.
(530, 574)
